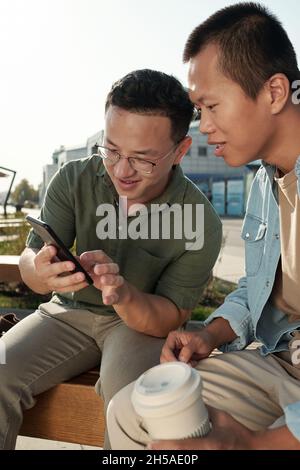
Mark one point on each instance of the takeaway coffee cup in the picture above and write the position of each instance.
(168, 398)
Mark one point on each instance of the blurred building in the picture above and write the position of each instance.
(93, 141)
(66, 154)
(59, 158)
(71, 153)
(226, 187)
(48, 171)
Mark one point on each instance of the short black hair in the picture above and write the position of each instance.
(151, 92)
(253, 45)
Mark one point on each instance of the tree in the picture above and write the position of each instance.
(24, 191)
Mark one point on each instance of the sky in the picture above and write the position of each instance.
(59, 59)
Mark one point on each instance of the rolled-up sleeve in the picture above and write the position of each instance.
(292, 418)
(236, 311)
(184, 279)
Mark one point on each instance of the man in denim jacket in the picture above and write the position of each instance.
(242, 77)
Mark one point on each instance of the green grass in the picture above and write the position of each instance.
(213, 296)
(200, 313)
(26, 302)
(14, 247)
(16, 215)
(19, 296)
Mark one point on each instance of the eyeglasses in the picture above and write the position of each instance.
(196, 114)
(139, 164)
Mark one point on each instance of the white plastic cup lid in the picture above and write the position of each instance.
(165, 388)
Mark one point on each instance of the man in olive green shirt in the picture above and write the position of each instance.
(139, 234)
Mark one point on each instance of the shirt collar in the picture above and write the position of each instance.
(297, 168)
(102, 173)
(271, 168)
(174, 191)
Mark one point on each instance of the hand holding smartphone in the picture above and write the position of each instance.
(47, 234)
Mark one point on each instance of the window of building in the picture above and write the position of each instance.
(202, 151)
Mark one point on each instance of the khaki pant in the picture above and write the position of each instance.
(55, 344)
(251, 388)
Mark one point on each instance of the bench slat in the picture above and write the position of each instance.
(69, 412)
(9, 269)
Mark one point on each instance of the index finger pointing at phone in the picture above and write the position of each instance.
(95, 256)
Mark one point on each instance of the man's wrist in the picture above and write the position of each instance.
(125, 294)
(220, 331)
(261, 440)
(274, 439)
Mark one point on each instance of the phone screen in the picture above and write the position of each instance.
(47, 234)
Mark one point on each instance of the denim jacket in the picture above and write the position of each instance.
(247, 309)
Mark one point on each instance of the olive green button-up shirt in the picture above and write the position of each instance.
(81, 198)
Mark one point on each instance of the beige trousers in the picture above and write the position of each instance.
(251, 388)
(55, 344)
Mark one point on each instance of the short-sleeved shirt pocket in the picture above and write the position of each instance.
(143, 269)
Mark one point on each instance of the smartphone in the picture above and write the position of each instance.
(48, 235)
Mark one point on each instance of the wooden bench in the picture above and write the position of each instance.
(71, 411)
(9, 269)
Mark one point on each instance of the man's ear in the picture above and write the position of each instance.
(279, 91)
(182, 149)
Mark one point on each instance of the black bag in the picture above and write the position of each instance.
(7, 321)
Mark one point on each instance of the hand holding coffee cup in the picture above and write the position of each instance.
(168, 398)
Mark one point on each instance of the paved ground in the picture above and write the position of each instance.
(29, 443)
(230, 264)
